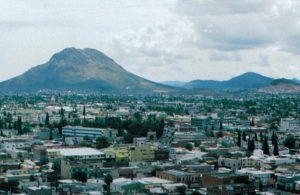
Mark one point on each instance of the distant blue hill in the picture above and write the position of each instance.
(248, 80)
(174, 83)
(296, 81)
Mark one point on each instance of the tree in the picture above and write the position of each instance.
(197, 143)
(196, 193)
(51, 134)
(239, 138)
(255, 137)
(251, 145)
(19, 125)
(10, 186)
(101, 142)
(266, 146)
(248, 153)
(219, 134)
(80, 176)
(62, 112)
(290, 142)
(244, 136)
(216, 165)
(261, 137)
(252, 123)
(181, 189)
(221, 125)
(47, 119)
(160, 129)
(275, 151)
(188, 146)
(83, 111)
(31, 178)
(156, 168)
(274, 138)
(56, 167)
(108, 179)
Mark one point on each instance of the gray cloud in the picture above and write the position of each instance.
(225, 56)
(173, 40)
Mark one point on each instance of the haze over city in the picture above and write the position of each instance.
(165, 40)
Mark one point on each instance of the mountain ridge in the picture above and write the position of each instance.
(248, 80)
(86, 68)
(89, 69)
(280, 86)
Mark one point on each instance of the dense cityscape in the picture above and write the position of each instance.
(162, 144)
(133, 97)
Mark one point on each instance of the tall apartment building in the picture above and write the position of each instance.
(79, 131)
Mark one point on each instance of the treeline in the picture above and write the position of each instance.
(6, 122)
(128, 128)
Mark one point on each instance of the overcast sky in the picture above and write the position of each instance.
(159, 40)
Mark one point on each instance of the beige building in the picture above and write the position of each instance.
(142, 153)
(76, 160)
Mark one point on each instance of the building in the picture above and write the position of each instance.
(176, 176)
(40, 190)
(201, 122)
(229, 163)
(161, 154)
(76, 160)
(185, 128)
(137, 141)
(289, 124)
(78, 131)
(233, 189)
(142, 154)
(70, 167)
(286, 181)
(224, 179)
(121, 154)
(80, 154)
(16, 143)
(40, 153)
(203, 168)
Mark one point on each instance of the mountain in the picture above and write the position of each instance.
(281, 86)
(81, 69)
(174, 83)
(296, 81)
(249, 80)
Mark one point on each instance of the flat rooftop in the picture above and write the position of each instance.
(176, 172)
(77, 151)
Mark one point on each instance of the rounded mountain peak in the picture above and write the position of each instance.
(74, 56)
(69, 56)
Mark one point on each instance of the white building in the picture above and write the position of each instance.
(289, 124)
(79, 131)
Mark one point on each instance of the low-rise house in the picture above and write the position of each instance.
(224, 179)
(203, 168)
(176, 176)
(76, 160)
(231, 189)
(126, 185)
(286, 181)
(9, 164)
(142, 153)
(39, 190)
(229, 163)
(258, 177)
(121, 154)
